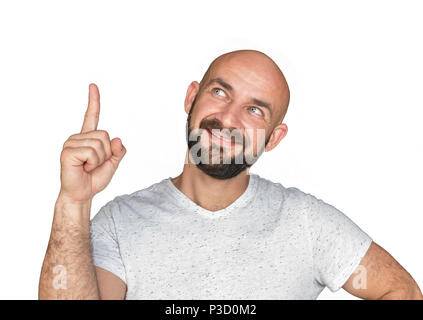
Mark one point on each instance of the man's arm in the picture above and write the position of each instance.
(110, 286)
(380, 276)
(88, 162)
(68, 271)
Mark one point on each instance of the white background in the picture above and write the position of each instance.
(355, 72)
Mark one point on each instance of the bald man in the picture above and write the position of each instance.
(215, 231)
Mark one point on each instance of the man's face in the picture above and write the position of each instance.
(231, 118)
(221, 152)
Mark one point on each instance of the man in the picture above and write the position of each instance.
(215, 231)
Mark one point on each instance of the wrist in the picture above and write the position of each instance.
(72, 212)
(65, 199)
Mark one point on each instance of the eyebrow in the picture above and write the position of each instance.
(220, 81)
(227, 86)
(262, 104)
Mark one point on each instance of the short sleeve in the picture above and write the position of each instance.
(338, 244)
(104, 244)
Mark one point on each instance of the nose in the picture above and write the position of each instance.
(230, 117)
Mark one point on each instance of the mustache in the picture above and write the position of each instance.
(236, 134)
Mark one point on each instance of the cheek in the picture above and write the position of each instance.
(255, 139)
(195, 119)
(199, 114)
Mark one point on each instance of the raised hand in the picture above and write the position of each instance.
(89, 159)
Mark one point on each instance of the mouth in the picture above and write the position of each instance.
(221, 139)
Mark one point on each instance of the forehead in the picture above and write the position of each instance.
(250, 76)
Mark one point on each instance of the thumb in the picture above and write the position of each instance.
(118, 151)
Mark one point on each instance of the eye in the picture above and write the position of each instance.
(218, 90)
(256, 110)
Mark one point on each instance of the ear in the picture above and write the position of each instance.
(192, 91)
(279, 132)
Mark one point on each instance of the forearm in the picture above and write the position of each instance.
(68, 271)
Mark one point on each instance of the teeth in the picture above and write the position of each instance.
(221, 137)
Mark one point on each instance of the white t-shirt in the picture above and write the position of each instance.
(271, 243)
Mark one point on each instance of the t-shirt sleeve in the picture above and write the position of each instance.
(338, 244)
(104, 245)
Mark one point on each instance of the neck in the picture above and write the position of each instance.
(210, 193)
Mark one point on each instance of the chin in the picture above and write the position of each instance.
(222, 171)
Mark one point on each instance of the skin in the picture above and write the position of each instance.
(251, 74)
(88, 161)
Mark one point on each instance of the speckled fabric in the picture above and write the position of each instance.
(273, 242)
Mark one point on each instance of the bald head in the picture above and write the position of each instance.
(259, 70)
(242, 91)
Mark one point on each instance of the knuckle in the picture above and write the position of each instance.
(104, 134)
(91, 152)
(67, 143)
(97, 144)
(92, 114)
(94, 157)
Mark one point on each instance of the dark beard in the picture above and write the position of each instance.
(220, 171)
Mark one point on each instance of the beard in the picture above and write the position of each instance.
(219, 170)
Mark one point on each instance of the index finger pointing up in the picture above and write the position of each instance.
(93, 110)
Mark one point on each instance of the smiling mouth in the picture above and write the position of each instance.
(221, 139)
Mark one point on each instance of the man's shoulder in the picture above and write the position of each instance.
(152, 193)
(266, 183)
(293, 196)
(156, 188)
